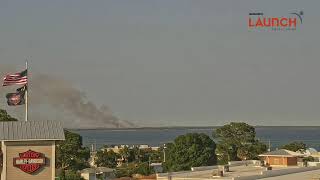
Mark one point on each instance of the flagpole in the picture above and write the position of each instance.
(26, 93)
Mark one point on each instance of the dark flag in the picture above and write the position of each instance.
(17, 98)
(22, 89)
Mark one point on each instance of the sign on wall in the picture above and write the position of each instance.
(29, 161)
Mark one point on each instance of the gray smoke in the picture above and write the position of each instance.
(70, 104)
(61, 95)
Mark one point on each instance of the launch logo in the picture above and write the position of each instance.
(290, 22)
(29, 161)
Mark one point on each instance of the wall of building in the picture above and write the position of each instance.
(274, 173)
(291, 161)
(11, 150)
(88, 176)
(279, 161)
(85, 176)
(264, 174)
(1, 160)
(243, 163)
(311, 164)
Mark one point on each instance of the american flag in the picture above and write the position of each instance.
(17, 78)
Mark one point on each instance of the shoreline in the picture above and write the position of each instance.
(181, 127)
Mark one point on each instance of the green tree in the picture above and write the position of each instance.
(295, 146)
(257, 148)
(156, 155)
(237, 141)
(127, 170)
(70, 175)
(136, 154)
(308, 159)
(251, 151)
(70, 154)
(244, 152)
(143, 155)
(125, 154)
(190, 150)
(4, 116)
(143, 169)
(107, 158)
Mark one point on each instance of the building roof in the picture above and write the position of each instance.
(104, 169)
(88, 170)
(310, 151)
(31, 130)
(97, 170)
(282, 153)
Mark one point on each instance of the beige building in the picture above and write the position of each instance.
(97, 173)
(281, 157)
(28, 149)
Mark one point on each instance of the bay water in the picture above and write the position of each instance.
(276, 135)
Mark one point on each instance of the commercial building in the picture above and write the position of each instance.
(238, 170)
(281, 157)
(28, 149)
(97, 173)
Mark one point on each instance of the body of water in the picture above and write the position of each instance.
(158, 136)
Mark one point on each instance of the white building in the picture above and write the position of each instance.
(99, 172)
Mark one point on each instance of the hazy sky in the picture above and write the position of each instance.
(171, 62)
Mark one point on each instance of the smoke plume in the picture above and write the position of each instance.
(71, 104)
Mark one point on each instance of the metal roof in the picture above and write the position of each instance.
(282, 153)
(97, 170)
(31, 130)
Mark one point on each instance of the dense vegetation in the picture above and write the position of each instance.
(295, 146)
(107, 158)
(190, 150)
(236, 141)
(129, 169)
(135, 160)
(71, 156)
(4, 116)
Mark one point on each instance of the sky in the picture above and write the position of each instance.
(168, 62)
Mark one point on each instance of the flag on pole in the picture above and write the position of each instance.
(17, 78)
(17, 98)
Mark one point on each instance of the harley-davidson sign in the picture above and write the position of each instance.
(29, 161)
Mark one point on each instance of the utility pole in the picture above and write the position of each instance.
(269, 149)
(149, 162)
(164, 153)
